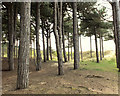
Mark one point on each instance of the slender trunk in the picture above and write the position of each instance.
(75, 37)
(0, 41)
(11, 37)
(15, 22)
(38, 65)
(63, 40)
(2, 49)
(71, 53)
(34, 53)
(8, 50)
(44, 53)
(118, 30)
(81, 48)
(97, 56)
(115, 30)
(58, 39)
(16, 49)
(47, 45)
(50, 48)
(100, 47)
(23, 58)
(68, 48)
(90, 47)
(31, 51)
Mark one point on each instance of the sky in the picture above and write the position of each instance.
(108, 45)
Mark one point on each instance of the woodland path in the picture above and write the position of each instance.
(46, 81)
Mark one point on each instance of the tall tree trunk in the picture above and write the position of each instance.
(68, 48)
(115, 29)
(47, 45)
(16, 49)
(118, 30)
(23, 58)
(34, 53)
(43, 36)
(58, 39)
(97, 56)
(15, 22)
(31, 49)
(2, 45)
(11, 36)
(75, 37)
(50, 47)
(38, 65)
(63, 40)
(81, 48)
(90, 47)
(100, 47)
(0, 41)
(71, 54)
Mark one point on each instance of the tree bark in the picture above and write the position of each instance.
(50, 47)
(75, 37)
(90, 47)
(0, 40)
(71, 54)
(58, 39)
(97, 56)
(63, 40)
(44, 53)
(115, 30)
(118, 30)
(47, 45)
(68, 48)
(17, 49)
(15, 22)
(81, 48)
(11, 36)
(34, 53)
(38, 65)
(100, 47)
(23, 58)
(2, 45)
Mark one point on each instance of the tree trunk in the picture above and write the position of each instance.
(0, 42)
(44, 53)
(81, 48)
(17, 49)
(75, 37)
(34, 53)
(23, 58)
(97, 56)
(100, 47)
(58, 39)
(50, 48)
(71, 53)
(63, 40)
(38, 65)
(90, 47)
(2, 46)
(15, 22)
(47, 45)
(115, 30)
(118, 30)
(68, 48)
(11, 36)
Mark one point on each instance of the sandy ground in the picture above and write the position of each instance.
(47, 81)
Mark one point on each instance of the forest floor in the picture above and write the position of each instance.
(46, 81)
